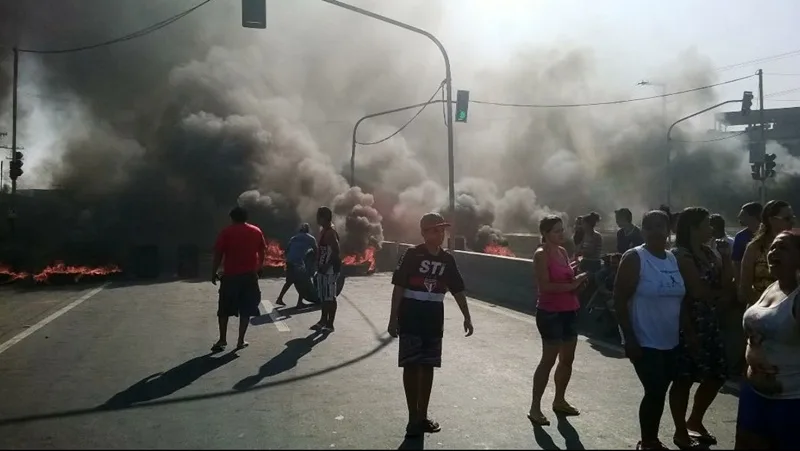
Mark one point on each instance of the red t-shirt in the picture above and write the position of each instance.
(239, 245)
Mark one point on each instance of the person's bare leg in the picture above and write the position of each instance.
(426, 386)
(331, 314)
(285, 288)
(566, 355)
(244, 321)
(411, 385)
(223, 330)
(542, 375)
(705, 395)
(678, 403)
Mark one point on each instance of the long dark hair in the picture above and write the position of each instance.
(770, 210)
(546, 224)
(689, 218)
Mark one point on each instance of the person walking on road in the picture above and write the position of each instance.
(754, 276)
(769, 400)
(329, 265)
(240, 249)
(648, 294)
(298, 273)
(556, 317)
(423, 275)
(701, 357)
(750, 218)
(628, 235)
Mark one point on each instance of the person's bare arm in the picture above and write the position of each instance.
(219, 252)
(542, 276)
(262, 252)
(624, 288)
(746, 293)
(400, 281)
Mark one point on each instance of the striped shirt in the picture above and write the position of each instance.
(425, 278)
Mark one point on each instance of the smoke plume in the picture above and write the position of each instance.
(156, 138)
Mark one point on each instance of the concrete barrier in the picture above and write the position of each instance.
(506, 281)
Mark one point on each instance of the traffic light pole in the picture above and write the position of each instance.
(669, 130)
(14, 124)
(448, 87)
(369, 116)
(763, 132)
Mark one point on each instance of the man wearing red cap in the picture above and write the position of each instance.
(424, 274)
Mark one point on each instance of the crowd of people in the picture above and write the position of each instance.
(693, 306)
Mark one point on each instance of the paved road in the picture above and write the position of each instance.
(128, 367)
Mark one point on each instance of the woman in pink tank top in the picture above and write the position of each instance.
(556, 315)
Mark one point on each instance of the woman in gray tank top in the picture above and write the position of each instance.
(769, 401)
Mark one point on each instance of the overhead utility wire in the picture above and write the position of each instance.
(409, 121)
(759, 60)
(612, 102)
(712, 140)
(128, 37)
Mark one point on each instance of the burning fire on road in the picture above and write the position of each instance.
(496, 249)
(58, 273)
(354, 264)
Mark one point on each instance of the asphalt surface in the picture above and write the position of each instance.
(129, 367)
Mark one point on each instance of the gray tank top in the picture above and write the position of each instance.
(773, 347)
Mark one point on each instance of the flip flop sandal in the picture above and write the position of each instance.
(430, 426)
(539, 420)
(218, 347)
(242, 345)
(703, 438)
(566, 409)
(692, 445)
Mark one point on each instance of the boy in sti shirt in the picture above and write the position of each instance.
(423, 275)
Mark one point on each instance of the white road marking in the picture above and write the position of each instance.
(29, 331)
(275, 316)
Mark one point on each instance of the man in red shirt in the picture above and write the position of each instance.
(242, 248)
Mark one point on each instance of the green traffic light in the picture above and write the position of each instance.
(462, 115)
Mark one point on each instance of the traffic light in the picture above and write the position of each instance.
(462, 105)
(769, 165)
(747, 102)
(755, 172)
(756, 151)
(254, 14)
(16, 169)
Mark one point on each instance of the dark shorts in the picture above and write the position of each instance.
(294, 273)
(557, 326)
(774, 420)
(420, 350)
(239, 295)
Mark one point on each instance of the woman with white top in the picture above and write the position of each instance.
(769, 401)
(648, 293)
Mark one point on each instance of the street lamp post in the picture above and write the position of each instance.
(668, 150)
(369, 116)
(448, 87)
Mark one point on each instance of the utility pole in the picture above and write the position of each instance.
(668, 150)
(12, 214)
(763, 132)
(448, 88)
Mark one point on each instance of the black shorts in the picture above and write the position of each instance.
(294, 273)
(420, 350)
(239, 295)
(557, 326)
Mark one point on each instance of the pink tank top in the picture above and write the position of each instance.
(559, 271)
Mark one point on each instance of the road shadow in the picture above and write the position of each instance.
(572, 440)
(606, 349)
(286, 360)
(166, 383)
(282, 314)
(413, 443)
(543, 438)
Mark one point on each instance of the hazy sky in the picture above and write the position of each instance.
(635, 39)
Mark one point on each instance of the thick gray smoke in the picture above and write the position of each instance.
(159, 136)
